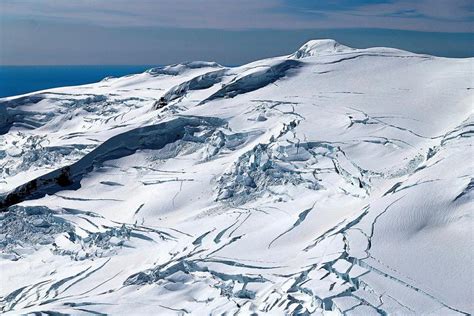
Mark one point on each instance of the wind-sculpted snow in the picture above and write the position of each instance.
(178, 69)
(204, 81)
(332, 181)
(125, 144)
(320, 47)
(255, 78)
(17, 112)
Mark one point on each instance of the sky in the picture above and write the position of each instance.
(231, 32)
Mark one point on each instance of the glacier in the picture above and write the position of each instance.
(332, 181)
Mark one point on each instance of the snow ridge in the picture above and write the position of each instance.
(320, 47)
(330, 181)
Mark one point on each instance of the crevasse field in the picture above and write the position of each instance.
(330, 181)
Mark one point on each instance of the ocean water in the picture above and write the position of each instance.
(16, 80)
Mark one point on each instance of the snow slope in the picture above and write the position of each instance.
(330, 181)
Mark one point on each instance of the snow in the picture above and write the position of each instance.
(321, 47)
(330, 181)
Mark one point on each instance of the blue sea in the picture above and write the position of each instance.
(16, 80)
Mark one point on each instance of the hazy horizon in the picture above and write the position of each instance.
(80, 32)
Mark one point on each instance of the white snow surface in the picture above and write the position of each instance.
(330, 181)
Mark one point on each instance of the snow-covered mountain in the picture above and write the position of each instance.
(333, 180)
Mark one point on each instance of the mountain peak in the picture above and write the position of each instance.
(283, 186)
(320, 47)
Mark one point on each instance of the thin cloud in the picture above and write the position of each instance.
(422, 15)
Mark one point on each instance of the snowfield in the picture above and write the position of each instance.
(330, 181)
